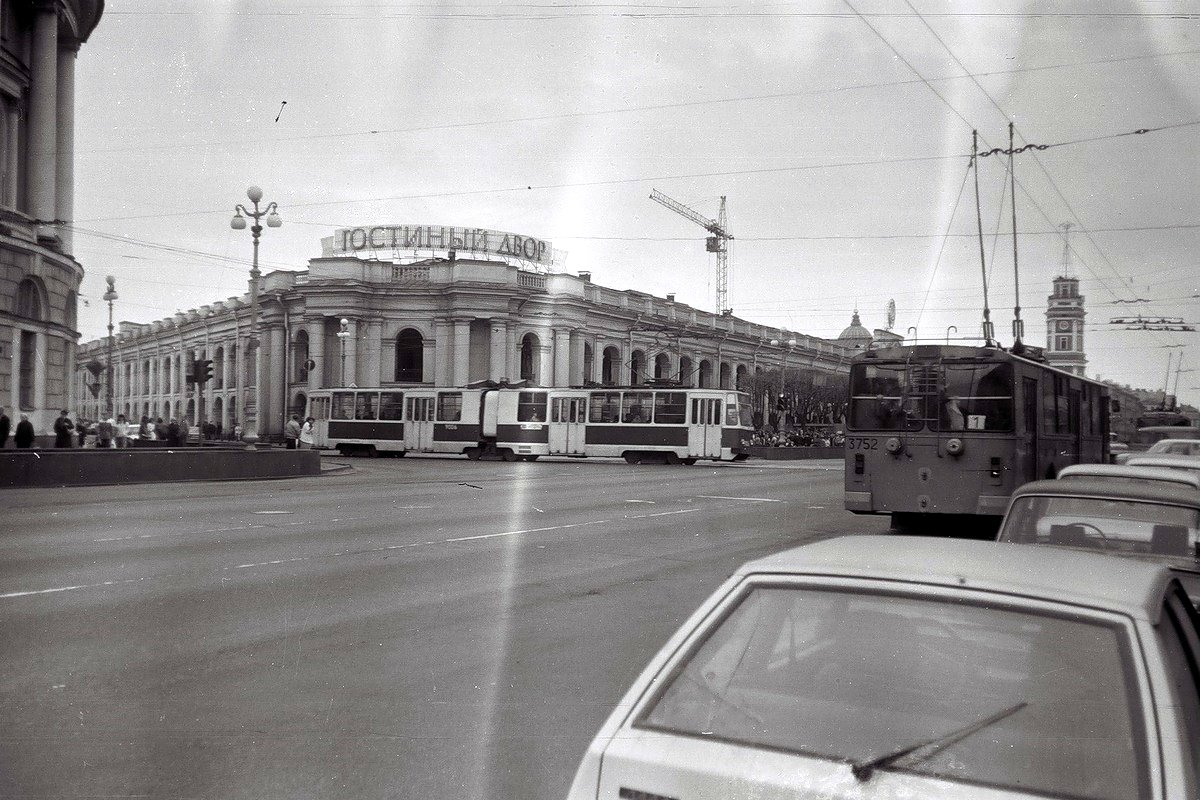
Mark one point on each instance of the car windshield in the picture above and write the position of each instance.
(1127, 526)
(1176, 447)
(853, 677)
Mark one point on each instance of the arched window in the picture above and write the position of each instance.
(219, 368)
(726, 376)
(637, 368)
(529, 353)
(706, 374)
(300, 356)
(609, 366)
(29, 300)
(743, 377)
(299, 404)
(686, 376)
(662, 366)
(410, 356)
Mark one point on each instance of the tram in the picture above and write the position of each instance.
(638, 423)
(947, 430)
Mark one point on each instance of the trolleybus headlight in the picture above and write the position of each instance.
(954, 446)
(892, 445)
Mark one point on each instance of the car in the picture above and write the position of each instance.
(1133, 472)
(891, 667)
(1173, 446)
(1189, 464)
(1147, 520)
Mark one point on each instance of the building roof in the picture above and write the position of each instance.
(856, 333)
(1089, 579)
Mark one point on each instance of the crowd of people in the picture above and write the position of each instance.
(797, 437)
(121, 432)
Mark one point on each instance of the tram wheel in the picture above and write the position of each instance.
(687, 462)
(632, 458)
(473, 453)
(371, 452)
(508, 455)
(529, 458)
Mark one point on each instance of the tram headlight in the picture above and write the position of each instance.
(955, 446)
(893, 445)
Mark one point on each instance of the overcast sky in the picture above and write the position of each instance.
(840, 132)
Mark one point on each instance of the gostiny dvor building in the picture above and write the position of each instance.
(488, 310)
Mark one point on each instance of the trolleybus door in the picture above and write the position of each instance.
(704, 432)
(568, 418)
(418, 423)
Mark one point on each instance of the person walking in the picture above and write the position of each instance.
(174, 434)
(62, 430)
(145, 430)
(105, 430)
(291, 432)
(122, 431)
(4, 426)
(160, 430)
(81, 431)
(306, 434)
(23, 437)
(237, 431)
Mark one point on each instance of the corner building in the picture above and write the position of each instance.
(39, 278)
(439, 322)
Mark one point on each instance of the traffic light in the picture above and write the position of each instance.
(193, 372)
(204, 371)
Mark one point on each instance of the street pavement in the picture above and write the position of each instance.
(416, 627)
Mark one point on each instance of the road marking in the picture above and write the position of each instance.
(664, 513)
(7, 595)
(750, 499)
(651, 502)
(527, 530)
(272, 512)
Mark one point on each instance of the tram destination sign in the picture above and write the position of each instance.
(477, 241)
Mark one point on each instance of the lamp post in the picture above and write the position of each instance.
(788, 346)
(342, 335)
(109, 297)
(238, 223)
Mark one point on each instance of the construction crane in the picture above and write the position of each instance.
(717, 243)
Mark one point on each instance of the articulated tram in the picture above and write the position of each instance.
(639, 423)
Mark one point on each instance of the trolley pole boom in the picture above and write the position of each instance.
(717, 243)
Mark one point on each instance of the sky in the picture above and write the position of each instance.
(840, 134)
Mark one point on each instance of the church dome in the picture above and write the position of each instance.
(856, 335)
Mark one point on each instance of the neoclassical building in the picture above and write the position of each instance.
(448, 321)
(39, 278)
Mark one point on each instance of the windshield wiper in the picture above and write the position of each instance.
(862, 770)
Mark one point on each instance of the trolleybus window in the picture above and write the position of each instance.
(531, 407)
(364, 405)
(343, 405)
(938, 396)
(391, 405)
(983, 393)
(605, 407)
(449, 406)
(636, 407)
(877, 397)
(670, 408)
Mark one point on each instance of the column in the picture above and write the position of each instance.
(443, 356)
(545, 358)
(428, 360)
(226, 368)
(39, 374)
(562, 357)
(624, 368)
(461, 364)
(277, 397)
(498, 352)
(316, 351)
(578, 340)
(71, 382)
(64, 179)
(14, 401)
(43, 104)
(514, 354)
(372, 372)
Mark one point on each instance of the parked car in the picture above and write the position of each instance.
(1177, 446)
(892, 667)
(1116, 447)
(1189, 464)
(1154, 521)
(1133, 472)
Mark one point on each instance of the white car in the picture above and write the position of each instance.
(1130, 471)
(1178, 447)
(906, 667)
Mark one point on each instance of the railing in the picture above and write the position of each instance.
(403, 273)
(531, 280)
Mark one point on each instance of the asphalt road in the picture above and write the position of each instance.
(419, 628)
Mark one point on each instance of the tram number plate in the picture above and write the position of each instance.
(862, 443)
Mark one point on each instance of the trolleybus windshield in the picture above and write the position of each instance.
(937, 396)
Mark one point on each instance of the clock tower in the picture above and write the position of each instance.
(1064, 327)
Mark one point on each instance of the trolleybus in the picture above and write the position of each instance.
(947, 430)
(639, 423)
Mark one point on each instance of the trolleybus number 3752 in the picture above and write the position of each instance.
(857, 443)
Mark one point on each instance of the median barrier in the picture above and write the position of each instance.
(794, 453)
(87, 467)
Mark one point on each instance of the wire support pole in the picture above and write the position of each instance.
(1018, 324)
(988, 333)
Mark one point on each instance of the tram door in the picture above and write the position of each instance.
(418, 423)
(704, 433)
(568, 424)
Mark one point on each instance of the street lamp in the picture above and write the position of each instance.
(342, 335)
(109, 297)
(788, 346)
(238, 223)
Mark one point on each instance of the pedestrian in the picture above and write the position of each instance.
(4, 424)
(81, 431)
(160, 430)
(291, 432)
(62, 430)
(121, 429)
(174, 434)
(237, 431)
(23, 437)
(105, 430)
(306, 434)
(145, 430)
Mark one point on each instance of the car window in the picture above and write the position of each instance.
(853, 677)
(1104, 524)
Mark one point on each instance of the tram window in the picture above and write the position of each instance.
(670, 408)
(977, 397)
(605, 407)
(364, 405)
(531, 407)
(391, 405)
(449, 406)
(320, 408)
(636, 407)
(343, 405)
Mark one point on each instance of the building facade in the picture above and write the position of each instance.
(1064, 326)
(440, 321)
(39, 278)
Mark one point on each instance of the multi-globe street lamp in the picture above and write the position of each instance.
(109, 297)
(788, 346)
(342, 335)
(238, 223)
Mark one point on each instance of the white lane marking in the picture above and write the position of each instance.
(527, 530)
(651, 502)
(751, 499)
(178, 533)
(664, 513)
(7, 595)
(272, 512)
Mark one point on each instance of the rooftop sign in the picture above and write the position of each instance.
(477, 241)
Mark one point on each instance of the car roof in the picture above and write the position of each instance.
(1130, 471)
(1165, 460)
(1190, 442)
(1091, 579)
(1144, 491)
